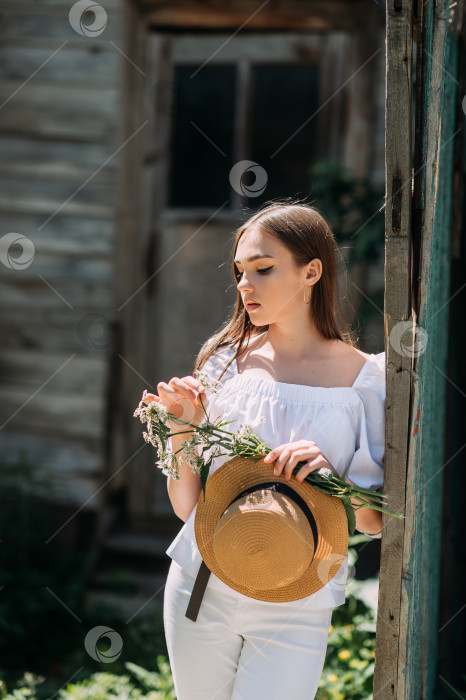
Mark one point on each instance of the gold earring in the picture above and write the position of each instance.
(310, 293)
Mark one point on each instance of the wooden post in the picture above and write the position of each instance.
(398, 145)
(407, 624)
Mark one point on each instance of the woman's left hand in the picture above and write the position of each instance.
(289, 454)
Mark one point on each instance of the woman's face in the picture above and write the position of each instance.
(272, 278)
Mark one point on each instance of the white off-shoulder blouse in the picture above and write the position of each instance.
(344, 422)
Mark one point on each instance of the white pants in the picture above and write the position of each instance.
(240, 650)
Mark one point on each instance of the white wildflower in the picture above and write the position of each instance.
(244, 431)
(169, 463)
(158, 410)
(196, 464)
(197, 439)
(151, 411)
(188, 448)
(216, 451)
(207, 381)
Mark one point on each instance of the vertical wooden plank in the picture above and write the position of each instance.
(434, 150)
(452, 627)
(398, 140)
(124, 458)
(149, 494)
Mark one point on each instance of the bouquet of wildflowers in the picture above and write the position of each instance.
(214, 436)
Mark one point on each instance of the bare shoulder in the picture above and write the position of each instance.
(351, 352)
(345, 362)
(254, 343)
(349, 355)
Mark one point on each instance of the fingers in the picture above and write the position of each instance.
(197, 387)
(195, 383)
(290, 460)
(180, 397)
(188, 387)
(287, 456)
(174, 388)
(280, 455)
(273, 454)
(311, 466)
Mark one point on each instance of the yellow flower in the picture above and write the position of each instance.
(344, 654)
(332, 678)
(330, 628)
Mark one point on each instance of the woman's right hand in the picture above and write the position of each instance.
(180, 397)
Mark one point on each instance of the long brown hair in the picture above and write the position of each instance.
(307, 235)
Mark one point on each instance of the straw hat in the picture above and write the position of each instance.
(266, 537)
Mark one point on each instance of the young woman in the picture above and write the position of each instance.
(282, 357)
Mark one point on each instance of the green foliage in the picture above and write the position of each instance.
(40, 578)
(349, 667)
(26, 687)
(34, 574)
(354, 208)
(348, 671)
(349, 662)
(102, 685)
(144, 684)
(161, 682)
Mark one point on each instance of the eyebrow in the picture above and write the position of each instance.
(254, 257)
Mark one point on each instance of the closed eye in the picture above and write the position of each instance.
(262, 271)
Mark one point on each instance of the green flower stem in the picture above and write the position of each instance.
(249, 445)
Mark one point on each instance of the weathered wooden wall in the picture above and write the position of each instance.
(59, 130)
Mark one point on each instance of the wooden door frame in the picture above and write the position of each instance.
(140, 203)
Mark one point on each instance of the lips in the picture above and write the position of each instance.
(251, 304)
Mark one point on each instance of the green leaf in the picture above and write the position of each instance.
(350, 515)
(204, 473)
